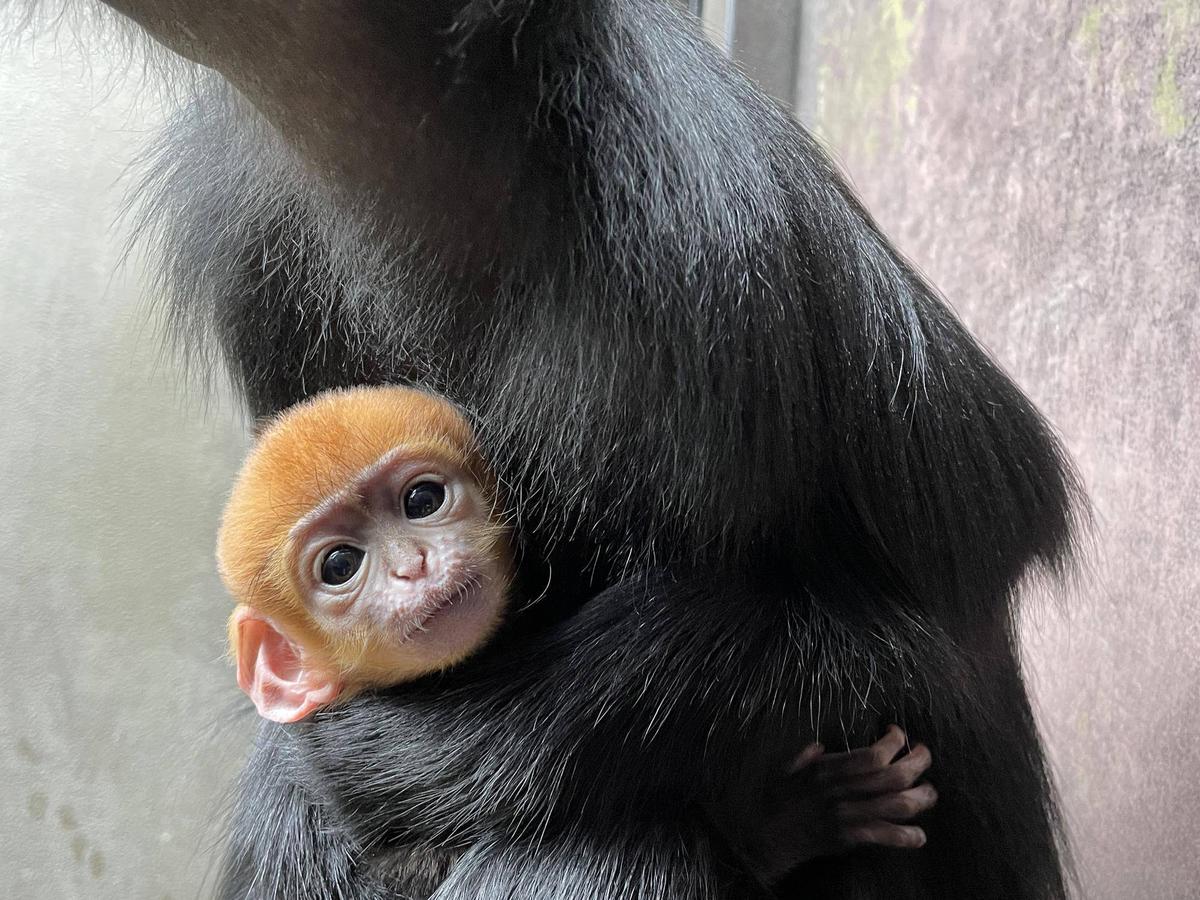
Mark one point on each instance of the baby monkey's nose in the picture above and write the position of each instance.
(408, 562)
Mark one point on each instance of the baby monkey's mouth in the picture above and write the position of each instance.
(458, 588)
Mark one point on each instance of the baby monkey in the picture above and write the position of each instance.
(364, 545)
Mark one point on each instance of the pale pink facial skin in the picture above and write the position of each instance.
(426, 594)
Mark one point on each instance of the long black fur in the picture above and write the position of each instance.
(769, 486)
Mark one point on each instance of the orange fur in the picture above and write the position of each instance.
(306, 456)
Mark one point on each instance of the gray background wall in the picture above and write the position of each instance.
(1038, 160)
(115, 739)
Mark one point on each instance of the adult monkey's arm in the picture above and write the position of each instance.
(375, 98)
(620, 688)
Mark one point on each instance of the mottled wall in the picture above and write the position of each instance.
(112, 767)
(1041, 162)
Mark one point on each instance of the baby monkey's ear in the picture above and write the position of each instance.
(274, 673)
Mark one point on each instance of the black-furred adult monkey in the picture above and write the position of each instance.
(801, 494)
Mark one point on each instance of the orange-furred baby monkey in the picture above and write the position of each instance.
(363, 544)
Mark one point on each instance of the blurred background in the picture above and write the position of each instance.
(1039, 159)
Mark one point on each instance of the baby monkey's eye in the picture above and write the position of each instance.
(340, 564)
(424, 499)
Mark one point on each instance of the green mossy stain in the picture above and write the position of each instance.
(864, 81)
(1180, 19)
(1169, 110)
(898, 29)
(1087, 35)
(1181, 13)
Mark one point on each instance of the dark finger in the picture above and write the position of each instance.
(885, 834)
(888, 807)
(897, 777)
(807, 757)
(865, 759)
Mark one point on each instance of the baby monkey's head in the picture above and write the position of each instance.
(363, 544)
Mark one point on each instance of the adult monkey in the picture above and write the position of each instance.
(799, 495)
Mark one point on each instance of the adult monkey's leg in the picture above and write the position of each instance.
(551, 783)
(633, 864)
(301, 853)
(285, 845)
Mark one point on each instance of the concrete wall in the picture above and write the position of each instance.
(116, 740)
(1041, 162)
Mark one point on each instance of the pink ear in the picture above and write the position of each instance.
(274, 673)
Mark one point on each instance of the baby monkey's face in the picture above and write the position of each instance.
(404, 569)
